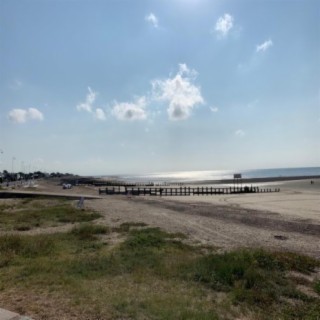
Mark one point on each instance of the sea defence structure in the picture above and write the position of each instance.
(181, 191)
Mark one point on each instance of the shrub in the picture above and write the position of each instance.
(88, 231)
(26, 246)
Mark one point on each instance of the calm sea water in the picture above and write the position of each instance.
(192, 176)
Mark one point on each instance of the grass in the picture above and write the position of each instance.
(257, 279)
(152, 274)
(88, 231)
(28, 214)
(125, 227)
(127, 282)
(317, 286)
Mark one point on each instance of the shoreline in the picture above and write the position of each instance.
(106, 181)
(259, 180)
(224, 220)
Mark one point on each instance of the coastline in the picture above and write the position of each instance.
(225, 221)
(258, 180)
(105, 181)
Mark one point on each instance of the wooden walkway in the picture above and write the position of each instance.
(181, 191)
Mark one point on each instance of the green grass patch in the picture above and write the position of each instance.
(255, 278)
(152, 274)
(317, 286)
(88, 231)
(14, 247)
(125, 227)
(29, 214)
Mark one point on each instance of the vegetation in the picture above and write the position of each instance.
(150, 274)
(89, 231)
(29, 214)
(6, 176)
(125, 227)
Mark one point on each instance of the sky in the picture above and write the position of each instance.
(138, 86)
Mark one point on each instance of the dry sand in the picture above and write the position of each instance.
(288, 220)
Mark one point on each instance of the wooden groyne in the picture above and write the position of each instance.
(181, 191)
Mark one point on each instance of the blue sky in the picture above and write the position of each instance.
(123, 86)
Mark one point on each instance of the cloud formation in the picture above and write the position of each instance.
(99, 114)
(90, 99)
(87, 106)
(224, 24)
(24, 115)
(131, 110)
(180, 92)
(152, 19)
(264, 46)
(214, 109)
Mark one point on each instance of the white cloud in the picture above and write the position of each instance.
(87, 106)
(90, 99)
(100, 114)
(18, 115)
(24, 115)
(264, 46)
(180, 92)
(240, 133)
(34, 114)
(130, 110)
(152, 19)
(224, 24)
(214, 109)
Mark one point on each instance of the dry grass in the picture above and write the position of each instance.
(28, 214)
(152, 274)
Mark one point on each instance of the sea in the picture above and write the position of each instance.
(215, 175)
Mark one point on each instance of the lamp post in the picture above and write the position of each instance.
(13, 158)
(22, 178)
(1, 153)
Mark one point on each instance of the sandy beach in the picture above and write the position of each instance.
(286, 220)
